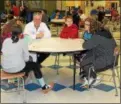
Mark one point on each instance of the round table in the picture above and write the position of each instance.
(58, 45)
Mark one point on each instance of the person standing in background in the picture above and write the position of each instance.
(16, 10)
(76, 18)
(101, 14)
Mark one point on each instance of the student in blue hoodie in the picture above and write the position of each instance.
(88, 33)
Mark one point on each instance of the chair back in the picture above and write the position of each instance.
(116, 54)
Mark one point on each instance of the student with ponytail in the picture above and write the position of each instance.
(16, 58)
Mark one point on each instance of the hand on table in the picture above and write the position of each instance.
(40, 35)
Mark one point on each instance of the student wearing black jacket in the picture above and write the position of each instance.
(100, 49)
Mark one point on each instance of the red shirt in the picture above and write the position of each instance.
(16, 10)
(69, 32)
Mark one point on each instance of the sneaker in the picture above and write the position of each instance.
(48, 88)
(86, 83)
(97, 81)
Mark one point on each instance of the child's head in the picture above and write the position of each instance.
(10, 17)
(19, 21)
(57, 12)
(91, 25)
(87, 24)
(69, 20)
(16, 33)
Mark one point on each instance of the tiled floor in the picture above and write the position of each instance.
(62, 92)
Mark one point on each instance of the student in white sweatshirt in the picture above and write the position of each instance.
(16, 58)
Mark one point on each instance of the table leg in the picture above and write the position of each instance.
(58, 64)
(74, 73)
(57, 29)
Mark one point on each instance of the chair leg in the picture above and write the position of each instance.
(58, 64)
(58, 60)
(89, 77)
(18, 80)
(55, 60)
(70, 60)
(118, 77)
(114, 81)
(24, 91)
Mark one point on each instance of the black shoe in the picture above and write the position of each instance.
(47, 88)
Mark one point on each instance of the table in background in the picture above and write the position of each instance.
(58, 22)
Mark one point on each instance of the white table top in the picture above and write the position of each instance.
(108, 15)
(58, 21)
(56, 45)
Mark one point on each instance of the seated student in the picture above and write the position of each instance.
(100, 54)
(87, 32)
(56, 15)
(89, 25)
(16, 58)
(6, 30)
(70, 30)
(20, 21)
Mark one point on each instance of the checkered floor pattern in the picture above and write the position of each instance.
(60, 85)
